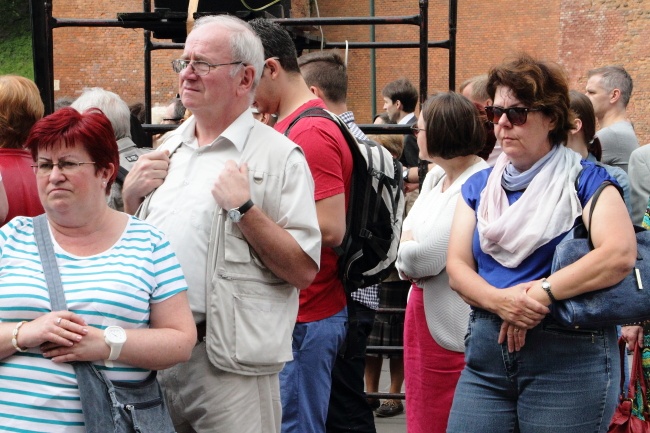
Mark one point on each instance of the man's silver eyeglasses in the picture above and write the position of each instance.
(45, 168)
(198, 66)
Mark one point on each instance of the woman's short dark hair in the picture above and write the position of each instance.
(90, 129)
(537, 84)
(583, 109)
(453, 126)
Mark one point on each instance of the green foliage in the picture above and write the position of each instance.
(16, 56)
(15, 38)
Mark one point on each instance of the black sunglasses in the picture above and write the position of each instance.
(516, 115)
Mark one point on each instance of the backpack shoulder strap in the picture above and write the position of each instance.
(122, 172)
(310, 112)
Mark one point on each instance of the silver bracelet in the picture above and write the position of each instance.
(14, 337)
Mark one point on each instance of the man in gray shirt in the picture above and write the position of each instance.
(609, 89)
(639, 182)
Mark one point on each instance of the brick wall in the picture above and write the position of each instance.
(111, 58)
(579, 34)
(598, 33)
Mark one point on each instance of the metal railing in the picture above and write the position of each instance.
(387, 350)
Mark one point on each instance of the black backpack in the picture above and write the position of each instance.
(375, 209)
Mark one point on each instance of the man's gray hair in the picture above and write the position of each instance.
(111, 105)
(479, 87)
(615, 77)
(245, 45)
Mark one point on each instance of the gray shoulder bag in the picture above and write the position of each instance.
(108, 406)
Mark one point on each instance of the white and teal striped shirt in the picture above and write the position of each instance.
(115, 287)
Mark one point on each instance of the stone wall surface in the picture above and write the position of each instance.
(579, 34)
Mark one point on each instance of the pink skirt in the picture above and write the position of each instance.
(431, 372)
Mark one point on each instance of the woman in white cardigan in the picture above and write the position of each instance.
(449, 133)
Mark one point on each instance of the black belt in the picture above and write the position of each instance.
(200, 332)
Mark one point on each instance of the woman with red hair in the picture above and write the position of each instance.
(119, 277)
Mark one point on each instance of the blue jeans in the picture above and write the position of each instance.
(562, 381)
(305, 382)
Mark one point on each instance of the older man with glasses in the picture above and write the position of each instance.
(236, 201)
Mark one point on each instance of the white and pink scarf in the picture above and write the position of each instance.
(547, 208)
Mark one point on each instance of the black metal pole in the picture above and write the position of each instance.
(453, 20)
(350, 45)
(41, 12)
(424, 50)
(147, 76)
(50, 53)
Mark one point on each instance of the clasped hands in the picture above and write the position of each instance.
(64, 336)
(520, 311)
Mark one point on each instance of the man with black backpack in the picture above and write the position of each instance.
(320, 330)
(325, 73)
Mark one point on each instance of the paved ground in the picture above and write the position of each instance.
(396, 424)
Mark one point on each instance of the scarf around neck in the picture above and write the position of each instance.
(547, 208)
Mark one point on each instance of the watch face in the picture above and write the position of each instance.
(115, 334)
(546, 285)
(234, 215)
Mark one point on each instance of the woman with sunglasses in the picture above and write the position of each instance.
(525, 372)
(450, 134)
(127, 312)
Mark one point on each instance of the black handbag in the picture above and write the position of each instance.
(108, 406)
(625, 303)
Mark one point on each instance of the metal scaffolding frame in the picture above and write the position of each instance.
(43, 24)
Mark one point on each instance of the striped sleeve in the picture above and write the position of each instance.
(167, 272)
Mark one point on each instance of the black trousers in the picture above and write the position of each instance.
(349, 410)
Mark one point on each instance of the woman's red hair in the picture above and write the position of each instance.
(90, 129)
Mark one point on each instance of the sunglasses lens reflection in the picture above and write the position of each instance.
(516, 115)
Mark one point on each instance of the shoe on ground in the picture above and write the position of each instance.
(390, 408)
(374, 403)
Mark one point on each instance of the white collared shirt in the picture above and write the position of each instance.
(183, 206)
(404, 120)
